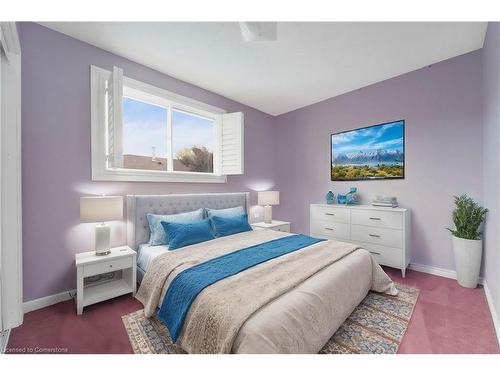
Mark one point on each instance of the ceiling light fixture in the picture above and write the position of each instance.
(259, 31)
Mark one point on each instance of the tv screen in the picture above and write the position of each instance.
(373, 153)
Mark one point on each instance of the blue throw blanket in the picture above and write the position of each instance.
(186, 286)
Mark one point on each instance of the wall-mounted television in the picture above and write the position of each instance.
(375, 152)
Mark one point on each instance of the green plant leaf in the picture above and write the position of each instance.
(467, 217)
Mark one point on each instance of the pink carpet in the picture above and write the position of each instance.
(447, 319)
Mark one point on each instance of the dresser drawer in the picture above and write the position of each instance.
(377, 218)
(332, 230)
(385, 255)
(379, 236)
(335, 214)
(110, 266)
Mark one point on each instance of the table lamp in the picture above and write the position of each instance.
(268, 199)
(98, 209)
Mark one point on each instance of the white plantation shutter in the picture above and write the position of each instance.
(232, 144)
(115, 96)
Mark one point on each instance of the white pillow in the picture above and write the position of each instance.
(225, 212)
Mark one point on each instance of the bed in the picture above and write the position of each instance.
(291, 304)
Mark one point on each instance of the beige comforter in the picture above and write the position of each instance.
(218, 313)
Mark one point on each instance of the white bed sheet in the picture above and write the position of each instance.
(146, 253)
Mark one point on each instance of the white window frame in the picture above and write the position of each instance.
(154, 95)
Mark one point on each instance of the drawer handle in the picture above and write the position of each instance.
(329, 214)
(374, 235)
(374, 253)
(375, 218)
(110, 266)
(329, 228)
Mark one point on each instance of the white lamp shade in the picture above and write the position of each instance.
(101, 208)
(268, 198)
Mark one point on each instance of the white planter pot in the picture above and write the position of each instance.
(467, 260)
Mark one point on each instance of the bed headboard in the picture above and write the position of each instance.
(140, 205)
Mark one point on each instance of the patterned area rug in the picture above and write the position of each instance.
(376, 326)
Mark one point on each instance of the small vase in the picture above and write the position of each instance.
(330, 197)
(467, 255)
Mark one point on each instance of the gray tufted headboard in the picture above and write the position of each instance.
(140, 205)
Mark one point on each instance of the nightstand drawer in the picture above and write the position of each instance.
(282, 228)
(109, 266)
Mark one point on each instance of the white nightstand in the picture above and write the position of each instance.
(88, 264)
(280, 226)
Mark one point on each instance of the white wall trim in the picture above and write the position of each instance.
(4, 339)
(493, 311)
(10, 189)
(11, 37)
(443, 272)
(437, 271)
(40, 303)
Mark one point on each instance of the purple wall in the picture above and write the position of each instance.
(441, 105)
(442, 108)
(56, 153)
(491, 157)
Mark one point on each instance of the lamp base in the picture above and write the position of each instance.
(103, 253)
(268, 214)
(102, 239)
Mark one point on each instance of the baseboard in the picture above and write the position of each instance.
(443, 272)
(40, 303)
(493, 311)
(437, 271)
(4, 339)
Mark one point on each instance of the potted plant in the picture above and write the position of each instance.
(467, 243)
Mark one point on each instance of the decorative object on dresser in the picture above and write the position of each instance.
(100, 209)
(268, 199)
(384, 232)
(280, 226)
(466, 238)
(330, 197)
(385, 201)
(91, 289)
(341, 199)
(352, 197)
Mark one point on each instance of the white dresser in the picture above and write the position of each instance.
(384, 232)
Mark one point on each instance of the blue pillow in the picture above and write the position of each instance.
(158, 235)
(226, 212)
(225, 226)
(184, 234)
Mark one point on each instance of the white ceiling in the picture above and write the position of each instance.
(309, 62)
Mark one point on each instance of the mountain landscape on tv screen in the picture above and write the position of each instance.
(378, 157)
(376, 152)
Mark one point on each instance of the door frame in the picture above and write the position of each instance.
(11, 285)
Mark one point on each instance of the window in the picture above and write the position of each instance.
(192, 142)
(144, 133)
